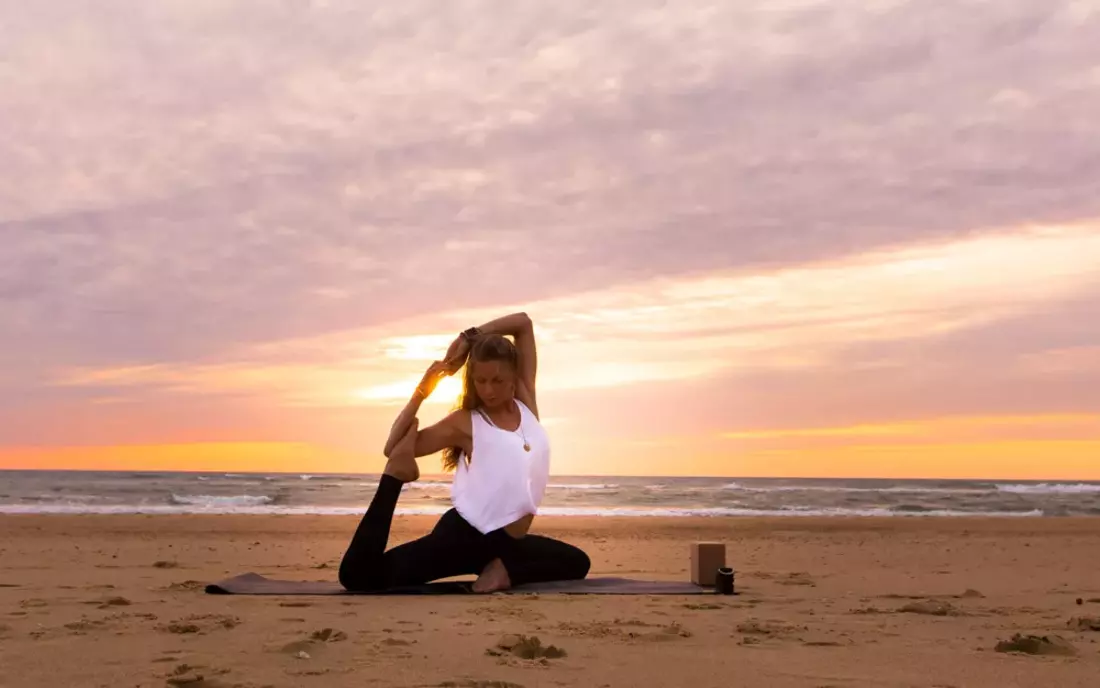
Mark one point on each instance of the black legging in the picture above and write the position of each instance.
(453, 548)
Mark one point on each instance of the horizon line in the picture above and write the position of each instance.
(447, 475)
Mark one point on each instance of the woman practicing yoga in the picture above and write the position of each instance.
(500, 454)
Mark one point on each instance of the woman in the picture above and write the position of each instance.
(501, 457)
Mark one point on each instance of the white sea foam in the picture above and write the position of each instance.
(1050, 488)
(227, 506)
(221, 502)
(897, 489)
(446, 485)
(583, 486)
(239, 493)
(427, 485)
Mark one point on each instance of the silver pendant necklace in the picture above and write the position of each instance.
(519, 430)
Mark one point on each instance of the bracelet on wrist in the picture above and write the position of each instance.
(470, 333)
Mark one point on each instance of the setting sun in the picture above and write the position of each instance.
(446, 391)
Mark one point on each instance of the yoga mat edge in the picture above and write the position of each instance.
(255, 584)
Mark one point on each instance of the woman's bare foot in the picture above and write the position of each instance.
(493, 577)
(402, 461)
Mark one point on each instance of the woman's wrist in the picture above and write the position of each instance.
(401, 424)
(470, 334)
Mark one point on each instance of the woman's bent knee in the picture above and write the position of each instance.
(355, 578)
(349, 579)
(579, 564)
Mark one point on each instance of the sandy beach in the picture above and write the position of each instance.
(118, 601)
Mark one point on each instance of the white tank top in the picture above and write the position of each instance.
(503, 482)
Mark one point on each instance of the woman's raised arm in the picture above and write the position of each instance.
(436, 371)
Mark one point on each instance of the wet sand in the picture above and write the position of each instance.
(118, 601)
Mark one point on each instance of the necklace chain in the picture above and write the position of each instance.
(519, 430)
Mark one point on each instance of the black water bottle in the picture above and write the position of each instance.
(723, 582)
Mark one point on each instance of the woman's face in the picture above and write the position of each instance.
(495, 382)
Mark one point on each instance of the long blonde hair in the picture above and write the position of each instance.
(492, 347)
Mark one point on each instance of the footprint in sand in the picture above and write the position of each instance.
(1036, 645)
(328, 635)
(867, 610)
(760, 629)
(166, 564)
(931, 608)
(185, 675)
(627, 629)
(34, 603)
(200, 623)
(84, 625)
(1084, 623)
(108, 602)
(823, 643)
(166, 658)
(525, 647)
(307, 647)
(180, 628)
(797, 578)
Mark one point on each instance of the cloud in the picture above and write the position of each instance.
(806, 318)
(1074, 360)
(191, 178)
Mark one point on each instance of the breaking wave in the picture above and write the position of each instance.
(238, 505)
(220, 501)
(1051, 488)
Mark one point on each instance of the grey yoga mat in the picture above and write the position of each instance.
(255, 584)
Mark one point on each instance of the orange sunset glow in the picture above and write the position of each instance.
(746, 250)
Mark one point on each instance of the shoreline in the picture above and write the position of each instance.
(634, 497)
(975, 522)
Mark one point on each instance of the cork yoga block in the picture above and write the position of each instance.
(706, 559)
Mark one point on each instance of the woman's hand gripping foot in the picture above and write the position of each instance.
(402, 461)
(493, 577)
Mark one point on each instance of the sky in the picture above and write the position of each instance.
(843, 238)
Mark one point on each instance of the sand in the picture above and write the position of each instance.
(117, 601)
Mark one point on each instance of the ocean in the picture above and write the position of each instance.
(89, 492)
